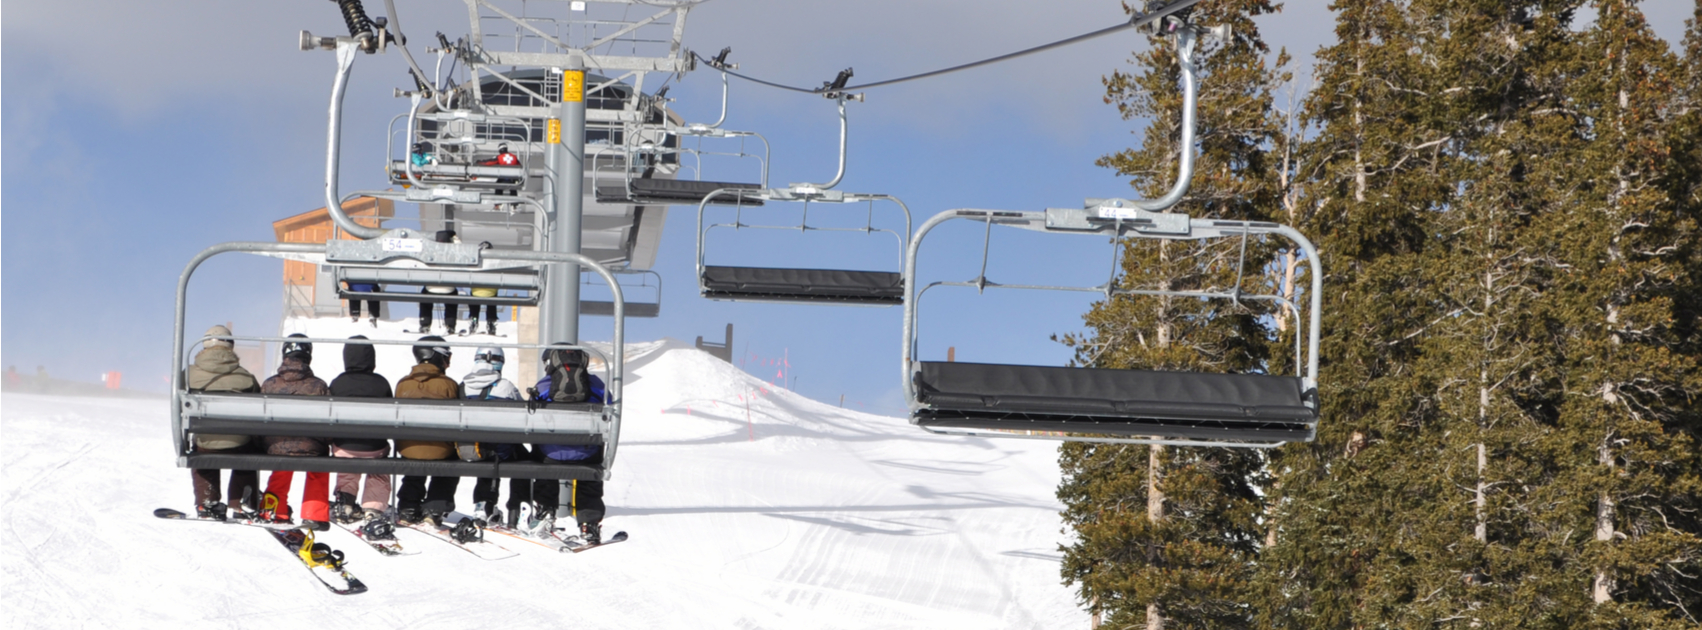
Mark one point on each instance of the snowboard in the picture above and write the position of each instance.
(388, 547)
(483, 549)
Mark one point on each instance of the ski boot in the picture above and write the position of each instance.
(539, 523)
(485, 513)
(591, 533)
(409, 515)
(273, 509)
(315, 526)
(373, 320)
(490, 329)
(211, 510)
(345, 509)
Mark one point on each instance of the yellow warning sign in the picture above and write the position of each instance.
(572, 86)
(552, 131)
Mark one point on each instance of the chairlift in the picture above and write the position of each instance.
(462, 149)
(1078, 404)
(802, 285)
(376, 418)
(638, 308)
(639, 186)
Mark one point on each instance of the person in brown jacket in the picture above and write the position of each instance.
(414, 502)
(295, 378)
(216, 369)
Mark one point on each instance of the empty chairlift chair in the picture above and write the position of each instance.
(796, 284)
(1258, 410)
(1250, 410)
(649, 286)
(382, 418)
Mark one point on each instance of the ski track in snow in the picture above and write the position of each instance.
(804, 516)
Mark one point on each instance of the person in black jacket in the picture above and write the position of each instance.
(359, 381)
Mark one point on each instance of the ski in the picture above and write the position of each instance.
(484, 549)
(364, 531)
(325, 563)
(576, 544)
(552, 543)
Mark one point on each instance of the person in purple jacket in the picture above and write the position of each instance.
(585, 497)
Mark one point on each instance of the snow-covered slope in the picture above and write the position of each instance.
(748, 506)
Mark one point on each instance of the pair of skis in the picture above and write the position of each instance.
(326, 564)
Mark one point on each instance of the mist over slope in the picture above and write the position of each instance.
(749, 507)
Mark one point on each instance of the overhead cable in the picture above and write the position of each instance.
(1136, 21)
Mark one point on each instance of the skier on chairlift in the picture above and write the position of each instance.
(567, 380)
(503, 157)
(295, 378)
(486, 383)
(415, 502)
(217, 369)
(359, 381)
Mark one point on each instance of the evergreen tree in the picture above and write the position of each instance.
(1166, 537)
(1622, 500)
(1373, 176)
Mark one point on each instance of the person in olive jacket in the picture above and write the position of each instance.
(216, 369)
(295, 378)
(414, 501)
(359, 381)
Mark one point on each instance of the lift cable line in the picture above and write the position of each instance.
(1139, 20)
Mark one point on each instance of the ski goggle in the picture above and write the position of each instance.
(486, 357)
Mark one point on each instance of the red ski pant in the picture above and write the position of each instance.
(315, 502)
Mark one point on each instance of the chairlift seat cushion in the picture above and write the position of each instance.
(803, 285)
(1137, 402)
(606, 308)
(678, 191)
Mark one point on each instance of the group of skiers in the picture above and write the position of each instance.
(531, 505)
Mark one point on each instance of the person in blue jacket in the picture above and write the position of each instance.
(585, 497)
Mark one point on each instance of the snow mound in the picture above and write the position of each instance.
(748, 506)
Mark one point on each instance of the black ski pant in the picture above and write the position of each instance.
(243, 483)
(473, 314)
(371, 308)
(439, 498)
(485, 489)
(584, 497)
(451, 311)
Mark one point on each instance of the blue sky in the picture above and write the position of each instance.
(136, 134)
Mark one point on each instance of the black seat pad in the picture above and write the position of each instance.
(804, 284)
(679, 190)
(1134, 394)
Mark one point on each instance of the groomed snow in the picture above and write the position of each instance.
(804, 515)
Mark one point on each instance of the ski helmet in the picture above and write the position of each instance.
(298, 349)
(491, 355)
(502, 148)
(434, 353)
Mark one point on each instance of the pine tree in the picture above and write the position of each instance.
(1166, 537)
(1622, 302)
(1372, 176)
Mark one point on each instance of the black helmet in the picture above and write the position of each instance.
(445, 236)
(502, 148)
(298, 349)
(434, 353)
(422, 147)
